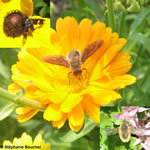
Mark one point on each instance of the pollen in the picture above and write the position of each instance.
(13, 24)
(79, 82)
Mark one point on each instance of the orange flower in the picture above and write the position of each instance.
(65, 95)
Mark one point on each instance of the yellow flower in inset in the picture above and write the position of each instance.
(25, 142)
(18, 28)
(66, 96)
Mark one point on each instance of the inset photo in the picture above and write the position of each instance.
(125, 128)
(22, 24)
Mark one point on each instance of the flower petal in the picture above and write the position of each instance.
(23, 110)
(26, 116)
(101, 96)
(36, 40)
(53, 112)
(85, 32)
(114, 83)
(96, 33)
(76, 122)
(92, 109)
(72, 31)
(120, 64)
(71, 101)
(27, 7)
(62, 34)
(60, 123)
(6, 42)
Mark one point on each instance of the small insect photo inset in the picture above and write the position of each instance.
(124, 126)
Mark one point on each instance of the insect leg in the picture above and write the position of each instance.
(25, 35)
(69, 77)
(86, 74)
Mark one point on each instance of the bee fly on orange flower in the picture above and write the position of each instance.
(74, 58)
(124, 132)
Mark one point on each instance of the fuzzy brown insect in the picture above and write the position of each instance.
(74, 58)
(16, 24)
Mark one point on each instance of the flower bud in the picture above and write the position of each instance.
(129, 2)
(135, 7)
(119, 7)
(132, 6)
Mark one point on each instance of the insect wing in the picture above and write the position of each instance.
(90, 50)
(56, 60)
(37, 21)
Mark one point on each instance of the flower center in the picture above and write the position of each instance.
(78, 82)
(13, 24)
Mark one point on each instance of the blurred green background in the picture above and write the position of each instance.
(129, 23)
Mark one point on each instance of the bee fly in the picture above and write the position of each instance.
(74, 58)
(124, 132)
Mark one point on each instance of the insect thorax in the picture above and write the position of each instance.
(28, 23)
(74, 58)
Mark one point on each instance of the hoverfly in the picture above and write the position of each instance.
(124, 132)
(74, 58)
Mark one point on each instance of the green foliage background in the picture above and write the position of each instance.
(134, 26)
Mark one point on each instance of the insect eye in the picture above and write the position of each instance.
(13, 24)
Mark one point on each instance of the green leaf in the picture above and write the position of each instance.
(7, 110)
(139, 19)
(95, 7)
(132, 141)
(82, 3)
(43, 11)
(10, 128)
(103, 139)
(4, 72)
(72, 136)
(91, 13)
(133, 57)
(142, 39)
(145, 82)
(39, 3)
(72, 3)
(106, 121)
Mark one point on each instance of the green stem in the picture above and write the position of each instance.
(121, 24)
(111, 14)
(5, 95)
